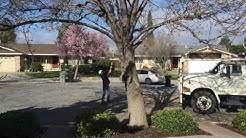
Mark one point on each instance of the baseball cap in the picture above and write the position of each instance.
(100, 72)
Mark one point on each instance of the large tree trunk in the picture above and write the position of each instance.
(136, 107)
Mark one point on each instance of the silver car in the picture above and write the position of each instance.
(150, 77)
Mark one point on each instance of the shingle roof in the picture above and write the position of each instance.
(37, 49)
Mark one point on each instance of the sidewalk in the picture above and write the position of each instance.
(212, 128)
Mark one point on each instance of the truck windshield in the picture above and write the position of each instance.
(220, 66)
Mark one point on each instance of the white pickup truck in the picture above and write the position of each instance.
(225, 84)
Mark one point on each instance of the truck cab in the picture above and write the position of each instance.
(224, 84)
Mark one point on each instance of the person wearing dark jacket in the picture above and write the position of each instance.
(106, 89)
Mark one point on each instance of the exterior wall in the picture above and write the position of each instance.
(17, 63)
(144, 62)
(48, 64)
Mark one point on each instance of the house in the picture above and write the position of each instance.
(144, 60)
(203, 59)
(15, 57)
(181, 53)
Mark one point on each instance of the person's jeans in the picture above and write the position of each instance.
(106, 93)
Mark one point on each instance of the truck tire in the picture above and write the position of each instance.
(148, 81)
(203, 102)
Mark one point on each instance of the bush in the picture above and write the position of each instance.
(154, 68)
(174, 76)
(174, 121)
(65, 66)
(46, 74)
(239, 121)
(101, 65)
(85, 69)
(36, 66)
(116, 73)
(17, 124)
(97, 124)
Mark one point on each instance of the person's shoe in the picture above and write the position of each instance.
(103, 102)
(109, 102)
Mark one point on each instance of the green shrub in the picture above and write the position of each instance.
(46, 74)
(65, 66)
(36, 66)
(85, 69)
(154, 68)
(116, 73)
(239, 121)
(174, 76)
(100, 65)
(97, 124)
(172, 120)
(17, 124)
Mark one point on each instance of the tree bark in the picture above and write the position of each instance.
(76, 70)
(136, 106)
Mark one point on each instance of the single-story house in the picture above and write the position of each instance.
(16, 57)
(203, 59)
(181, 53)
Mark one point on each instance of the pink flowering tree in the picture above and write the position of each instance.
(78, 43)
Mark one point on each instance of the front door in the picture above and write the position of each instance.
(55, 62)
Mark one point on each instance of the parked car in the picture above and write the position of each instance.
(150, 77)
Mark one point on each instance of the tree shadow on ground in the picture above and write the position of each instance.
(67, 113)
(161, 96)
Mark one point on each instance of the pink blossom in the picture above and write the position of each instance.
(77, 41)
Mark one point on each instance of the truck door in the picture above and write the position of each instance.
(231, 80)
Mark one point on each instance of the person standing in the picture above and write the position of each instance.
(104, 74)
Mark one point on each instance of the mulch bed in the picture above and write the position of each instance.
(152, 132)
(227, 126)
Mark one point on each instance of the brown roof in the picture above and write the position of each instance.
(38, 49)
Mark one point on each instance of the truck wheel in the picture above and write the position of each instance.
(148, 81)
(203, 102)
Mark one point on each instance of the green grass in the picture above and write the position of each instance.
(45, 74)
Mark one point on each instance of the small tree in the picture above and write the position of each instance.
(78, 43)
(226, 42)
(7, 36)
(150, 40)
(162, 50)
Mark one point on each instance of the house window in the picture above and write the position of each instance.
(39, 59)
(138, 60)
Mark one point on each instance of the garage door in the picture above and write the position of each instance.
(7, 64)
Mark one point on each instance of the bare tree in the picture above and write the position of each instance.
(119, 20)
(27, 36)
(162, 51)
